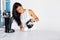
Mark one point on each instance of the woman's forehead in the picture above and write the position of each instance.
(19, 7)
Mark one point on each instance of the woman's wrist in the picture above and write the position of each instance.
(21, 26)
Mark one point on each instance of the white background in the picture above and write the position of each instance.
(48, 12)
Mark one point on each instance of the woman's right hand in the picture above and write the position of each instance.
(21, 27)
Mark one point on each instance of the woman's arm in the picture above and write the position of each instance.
(17, 19)
(35, 18)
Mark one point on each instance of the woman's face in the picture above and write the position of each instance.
(19, 9)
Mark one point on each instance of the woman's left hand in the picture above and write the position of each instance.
(34, 19)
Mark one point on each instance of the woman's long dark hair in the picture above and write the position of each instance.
(15, 14)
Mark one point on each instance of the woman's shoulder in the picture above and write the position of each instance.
(30, 11)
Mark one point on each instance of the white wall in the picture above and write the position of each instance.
(3, 5)
(48, 12)
(54, 15)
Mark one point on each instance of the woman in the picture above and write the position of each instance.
(21, 15)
